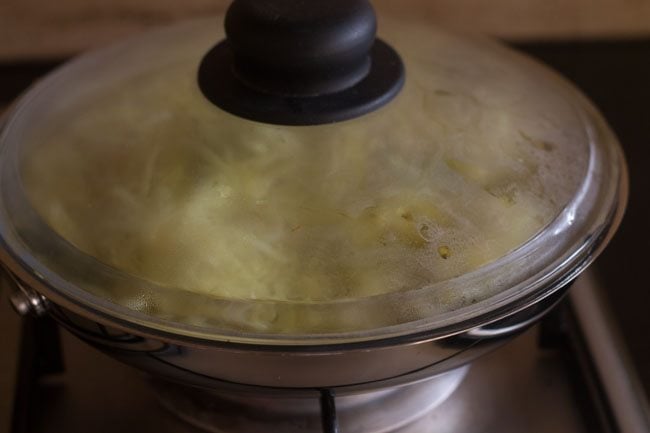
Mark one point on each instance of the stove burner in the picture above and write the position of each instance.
(380, 411)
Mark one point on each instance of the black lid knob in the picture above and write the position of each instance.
(300, 62)
(285, 48)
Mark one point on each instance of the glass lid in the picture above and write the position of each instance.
(483, 184)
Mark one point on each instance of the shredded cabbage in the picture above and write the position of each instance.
(153, 180)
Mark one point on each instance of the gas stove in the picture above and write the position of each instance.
(569, 373)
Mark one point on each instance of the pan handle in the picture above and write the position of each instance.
(25, 301)
(519, 321)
